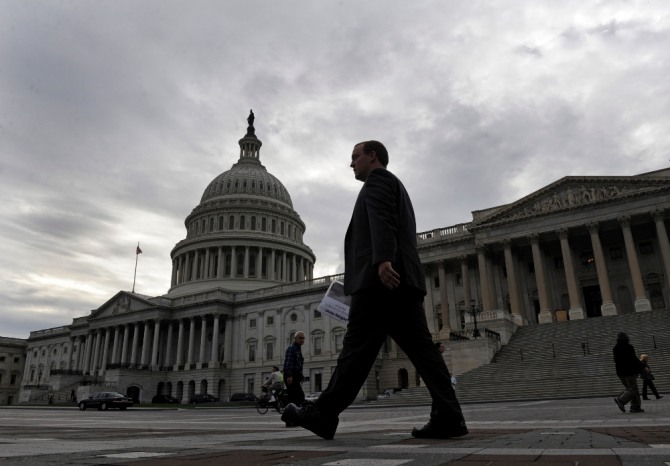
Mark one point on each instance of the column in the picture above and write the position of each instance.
(180, 344)
(145, 344)
(545, 316)
(483, 278)
(96, 352)
(284, 266)
(173, 280)
(512, 284)
(427, 305)
(642, 303)
(219, 263)
(207, 266)
(608, 308)
(191, 341)
(115, 345)
(105, 349)
(228, 341)
(214, 360)
(233, 262)
(124, 344)
(465, 273)
(444, 300)
(194, 269)
(662, 235)
(154, 349)
(167, 360)
(68, 366)
(576, 312)
(188, 268)
(272, 265)
(136, 338)
(259, 263)
(203, 339)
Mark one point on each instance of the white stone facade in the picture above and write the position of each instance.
(242, 285)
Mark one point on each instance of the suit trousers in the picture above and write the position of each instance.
(631, 392)
(294, 391)
(374, 314)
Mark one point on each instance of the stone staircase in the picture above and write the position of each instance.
(561, 360)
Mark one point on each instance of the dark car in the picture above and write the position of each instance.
(243, 397)
(105, 400)
(203, 398)
(164, 399)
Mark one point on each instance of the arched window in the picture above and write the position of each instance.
(264, 224)
(211, 224)
(221, 222)
(253, 223)
(231, 223)
(274, 226)
(242, 222)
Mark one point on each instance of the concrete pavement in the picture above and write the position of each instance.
(588, 431)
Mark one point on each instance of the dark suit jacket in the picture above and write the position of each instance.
(382, 228)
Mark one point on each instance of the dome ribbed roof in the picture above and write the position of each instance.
(247, 177)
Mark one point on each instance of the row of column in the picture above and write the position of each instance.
(490, 300)
(212, 263)
(121, 345)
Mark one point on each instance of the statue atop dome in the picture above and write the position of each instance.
(250, 119)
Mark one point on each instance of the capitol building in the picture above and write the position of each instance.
(242, 284)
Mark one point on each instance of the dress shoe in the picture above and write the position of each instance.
(434, 430)
(645, 398)
(636, 410)
(659, 397)
(620, 404)
(309, 417)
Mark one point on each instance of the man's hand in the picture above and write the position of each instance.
(389, 277)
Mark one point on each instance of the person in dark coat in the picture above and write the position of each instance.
(628, 366)
(647, 378)
(384, 277)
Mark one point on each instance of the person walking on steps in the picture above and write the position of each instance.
(628, 366)
(647, 378)
(384, 277)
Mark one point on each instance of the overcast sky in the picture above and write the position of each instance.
(116, 115)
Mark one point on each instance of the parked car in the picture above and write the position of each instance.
(243, 397)
(164, 399)
(203, 398)
(313, 396)
(106, 400)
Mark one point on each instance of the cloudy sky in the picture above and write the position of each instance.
(115, 116)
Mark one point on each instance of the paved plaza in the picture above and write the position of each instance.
(580, 432)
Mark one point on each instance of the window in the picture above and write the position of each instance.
(281, 228)
(531, 267)
(459, 278)
(646, 247)
(243, 223)
(436, 282)
(231, 223)
(16, 359)
(12, 380)
(616, 253)
(338, 342)
(211, 224)
(44, 352)
(264, 224)
(317, 314)
(250, 385)
(270, 320)
(0, 378)
(221, 222)
(269, 350)
(252, 323)
(252, 352)
(253, 223)
(318, 340)
(274, 226)
(294, 317)
(2, 359)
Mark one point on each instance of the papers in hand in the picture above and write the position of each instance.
(335, 303)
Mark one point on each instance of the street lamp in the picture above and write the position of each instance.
(474, 312)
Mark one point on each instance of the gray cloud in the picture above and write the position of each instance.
(114, 117)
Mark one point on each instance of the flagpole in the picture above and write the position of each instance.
(137, 255)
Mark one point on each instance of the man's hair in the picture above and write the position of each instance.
(622, 337)
(379, 150)
(298, 333)
(275, 368)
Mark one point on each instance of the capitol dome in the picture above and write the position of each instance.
(244, 233)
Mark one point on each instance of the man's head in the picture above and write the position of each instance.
(275, 369)
(299, 338)
(622, 337)
(367, 156)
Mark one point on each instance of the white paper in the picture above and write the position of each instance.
(335, 304)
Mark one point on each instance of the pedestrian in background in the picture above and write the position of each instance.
(628, 366)
(647, 378)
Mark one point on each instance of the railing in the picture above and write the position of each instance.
(492, 335)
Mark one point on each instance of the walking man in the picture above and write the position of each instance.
(293, 361)
(627, 368)
(385, 279)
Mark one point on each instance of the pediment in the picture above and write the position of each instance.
(121, 303)
(572, 193)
